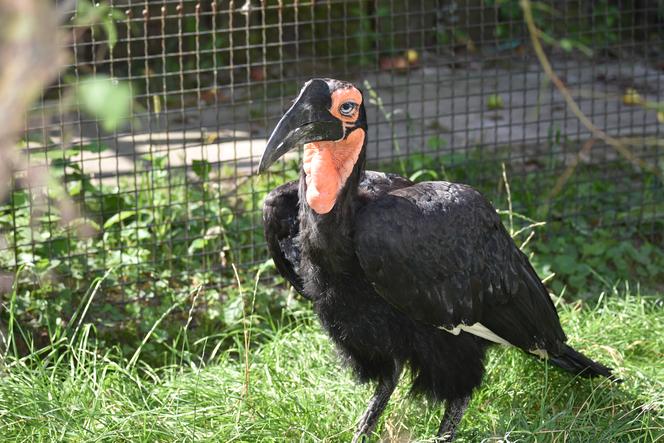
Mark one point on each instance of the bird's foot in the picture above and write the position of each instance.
(376, 406)
(453, 415)
(367, 424)
(446, 436)
(360, 437)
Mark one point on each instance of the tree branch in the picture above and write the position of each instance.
(597, 133)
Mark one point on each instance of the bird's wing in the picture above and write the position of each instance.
(281, 225)
(376, 184)
(281, 221)
(439, 252)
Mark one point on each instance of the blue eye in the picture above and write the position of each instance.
(347, 108)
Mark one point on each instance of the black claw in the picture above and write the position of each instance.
(453, 415)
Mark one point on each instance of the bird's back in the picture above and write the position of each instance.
(439, 252)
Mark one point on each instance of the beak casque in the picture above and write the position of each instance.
(308, 120)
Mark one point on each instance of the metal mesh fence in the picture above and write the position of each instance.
(168, 198)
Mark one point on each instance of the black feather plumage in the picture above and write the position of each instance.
(398, 272)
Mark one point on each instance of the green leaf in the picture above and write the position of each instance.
(565, 263)
(106, 99)
(122, 216)
(20, 198)
(595, 248)
(566, 44)
(93, 147)
(59, 246)
(202, 168)
(435, 143)
(577, 281)
(111, 32)
(197, 245)
(226, 216)
(233, 310)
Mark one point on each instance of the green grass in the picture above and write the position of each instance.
(74, 390)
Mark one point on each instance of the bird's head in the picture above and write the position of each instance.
(328, 118)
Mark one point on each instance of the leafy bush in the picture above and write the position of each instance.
(162, 244)
(161, 241)
(587, 27)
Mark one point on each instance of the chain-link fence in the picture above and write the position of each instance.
(166, 200)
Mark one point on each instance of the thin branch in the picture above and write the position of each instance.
(509, 200)
(585, 149)
(569, 99)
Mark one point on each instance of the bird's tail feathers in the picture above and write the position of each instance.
(577, 363)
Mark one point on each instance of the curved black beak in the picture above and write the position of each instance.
(308, 120)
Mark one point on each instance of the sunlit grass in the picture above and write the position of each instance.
(297, 390)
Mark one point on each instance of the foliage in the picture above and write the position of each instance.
(106, 99)
(166, 238)
(245, 40)
(606, 21)
(582, 259)
(369, 31)
(162, 238)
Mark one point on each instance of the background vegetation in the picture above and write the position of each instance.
(230, 43)
(156, 245)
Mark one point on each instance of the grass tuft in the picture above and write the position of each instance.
(73, 390)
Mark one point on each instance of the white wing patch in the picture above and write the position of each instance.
(479, 330)
(482, 331)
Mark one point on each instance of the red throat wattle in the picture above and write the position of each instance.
(327, 166)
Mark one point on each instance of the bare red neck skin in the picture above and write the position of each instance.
(327, 165)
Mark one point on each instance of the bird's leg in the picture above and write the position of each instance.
(453, 415)
(376, 406)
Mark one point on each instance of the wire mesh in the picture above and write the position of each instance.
(172, 189)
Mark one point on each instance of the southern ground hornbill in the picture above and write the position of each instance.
(401, 274)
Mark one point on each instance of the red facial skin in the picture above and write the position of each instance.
(328, 164)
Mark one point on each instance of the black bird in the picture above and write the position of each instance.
(401, 274)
